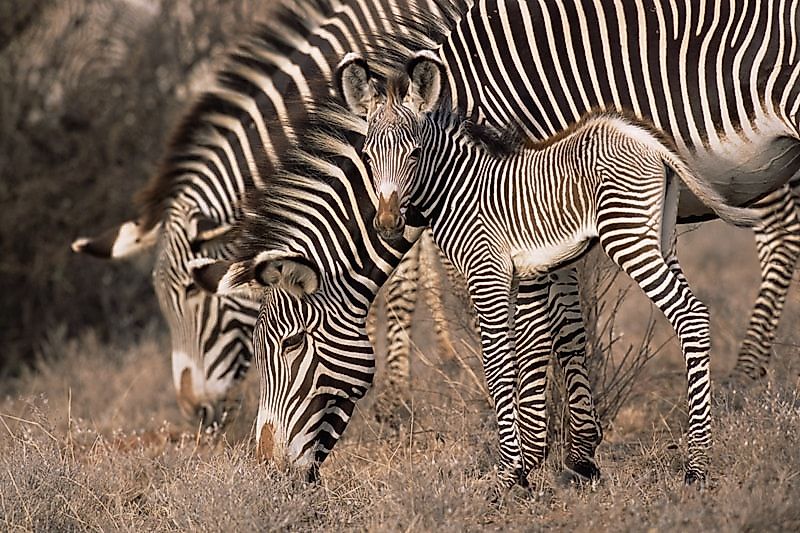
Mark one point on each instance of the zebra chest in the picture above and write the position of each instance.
(532, 259)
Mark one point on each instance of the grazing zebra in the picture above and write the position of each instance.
(231, 141)
(503, 212)
(541, 65)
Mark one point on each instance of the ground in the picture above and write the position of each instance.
(93, 439)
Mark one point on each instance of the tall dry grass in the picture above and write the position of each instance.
(93, 440)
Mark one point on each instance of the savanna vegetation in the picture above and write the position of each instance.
(90, 434)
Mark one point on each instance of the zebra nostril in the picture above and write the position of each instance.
(206, 414)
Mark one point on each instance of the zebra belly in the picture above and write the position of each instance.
(744, 175)
(535, 260)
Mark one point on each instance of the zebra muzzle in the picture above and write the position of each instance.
(389, 221)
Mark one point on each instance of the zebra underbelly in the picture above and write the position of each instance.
(743, 175)
(535, 260)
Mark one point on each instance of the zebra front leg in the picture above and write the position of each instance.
(640, 257)
(431, 282)
(490, 289)
(569, 344)
(778, 246)
(533, 347)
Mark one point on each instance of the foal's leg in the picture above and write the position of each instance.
(533, 351)
(489, 280)
(569, 343)
(630, 236)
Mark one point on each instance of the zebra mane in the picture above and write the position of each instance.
(288, 21)
(498, 142)
(317, 161)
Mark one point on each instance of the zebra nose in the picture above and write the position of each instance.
(389, 222)
(206, 414)
(390, 229)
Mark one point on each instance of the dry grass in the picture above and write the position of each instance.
(93, 440)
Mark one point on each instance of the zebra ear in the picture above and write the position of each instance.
(226, 278)
(290, 272)
(426, 74)
(203, 230)
(354, 84)
(125, 240)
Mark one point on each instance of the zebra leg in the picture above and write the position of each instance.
(778, 246)
(569, 344)
(490, 289)
(640, 257)
(401, 299)
(432, 285)
(533, 349)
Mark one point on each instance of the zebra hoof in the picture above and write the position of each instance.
(695, 479)
(742, 377)
(312, 475)
(581, 471)
(503, 483)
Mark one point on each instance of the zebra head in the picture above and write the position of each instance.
(311, 377)
(211, 336)
(392, 146)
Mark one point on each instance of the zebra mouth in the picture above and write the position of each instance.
(393, 232)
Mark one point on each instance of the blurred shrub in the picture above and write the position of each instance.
(89, 92)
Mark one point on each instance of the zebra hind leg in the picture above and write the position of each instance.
(688, 317)
(778, 246)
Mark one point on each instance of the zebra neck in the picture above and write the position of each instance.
(452, 169)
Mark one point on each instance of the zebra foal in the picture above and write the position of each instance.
(503, 212)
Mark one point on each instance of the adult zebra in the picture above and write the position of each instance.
(233, 140)
(736, 124)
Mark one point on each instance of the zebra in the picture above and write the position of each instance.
(540, 66)
(503, 212)
(229, 142)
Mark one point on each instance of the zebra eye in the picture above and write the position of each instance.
(365, 158)
(292, 343)
(414, 155)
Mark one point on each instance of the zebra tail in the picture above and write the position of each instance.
(738, 216)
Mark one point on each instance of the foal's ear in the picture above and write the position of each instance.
(426, 74)
(355, 85)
